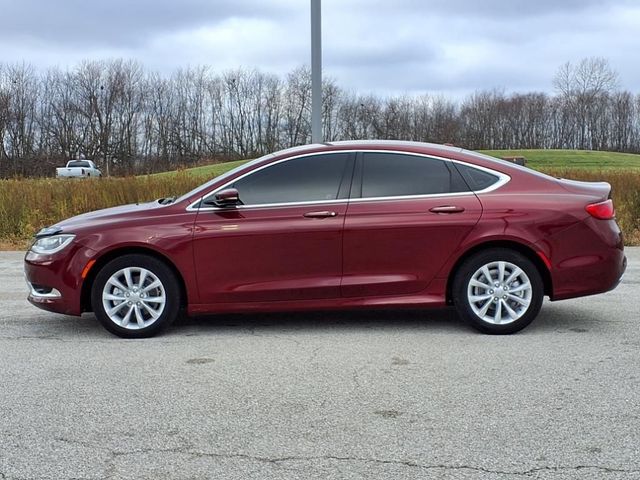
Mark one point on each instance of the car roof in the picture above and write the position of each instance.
(400, 144)
(435, 149)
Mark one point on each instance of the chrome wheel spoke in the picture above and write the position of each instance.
(149, 310)
(480, 298)
(128, 278)
(139, 317)
(127, 317)
(501, 266)
(154, 300)
(497, 317)
(520, 300)
(151, 286)
(485, 308)
(510, 311)
(487, 274)
(479, 284)
(516, 271)
(117, 283)
(116, 309)
(114, 298)
(520, 288)
(143, 277)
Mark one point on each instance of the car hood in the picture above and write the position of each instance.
(107, 215)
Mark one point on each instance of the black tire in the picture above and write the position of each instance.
(168, 282)
(461, 285)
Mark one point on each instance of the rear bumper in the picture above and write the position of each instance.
(586, 259)
(598, 277)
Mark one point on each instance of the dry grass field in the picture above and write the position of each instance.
(26, 205)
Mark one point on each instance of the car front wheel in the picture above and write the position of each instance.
(498, 291)
(135, 296)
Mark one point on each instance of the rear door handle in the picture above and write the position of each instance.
(447, 209)
(323, 214)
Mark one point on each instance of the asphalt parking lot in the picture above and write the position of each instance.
(324, 395)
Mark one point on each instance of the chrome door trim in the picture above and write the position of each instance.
(503, 179)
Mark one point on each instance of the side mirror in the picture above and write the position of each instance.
(229, 197)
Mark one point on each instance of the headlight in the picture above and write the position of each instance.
(51, 244)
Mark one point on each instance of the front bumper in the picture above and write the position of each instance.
(55, 281)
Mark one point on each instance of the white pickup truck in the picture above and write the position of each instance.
(78, 169)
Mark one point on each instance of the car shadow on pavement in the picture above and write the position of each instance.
(552, 318)
(357, 320)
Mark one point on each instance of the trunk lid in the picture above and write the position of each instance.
(598, 190)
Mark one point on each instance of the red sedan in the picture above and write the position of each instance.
(338, 225)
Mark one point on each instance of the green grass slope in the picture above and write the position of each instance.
(583, 159)
(536, 159)
(205, 171)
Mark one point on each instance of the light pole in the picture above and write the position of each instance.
(316, 72)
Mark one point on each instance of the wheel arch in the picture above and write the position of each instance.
(521, 248)
(87, 284)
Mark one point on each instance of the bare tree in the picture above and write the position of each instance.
(131, 120)
(585, 87)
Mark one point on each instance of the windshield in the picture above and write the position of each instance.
(230, 173)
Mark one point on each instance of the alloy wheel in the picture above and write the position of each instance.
(499, 292)
(134, 298)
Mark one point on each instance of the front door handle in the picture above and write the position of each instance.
(323, 214)
(447, 209)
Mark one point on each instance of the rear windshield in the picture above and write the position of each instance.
(78, 163)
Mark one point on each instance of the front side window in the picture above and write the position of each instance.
(393, 174)
(305, 179)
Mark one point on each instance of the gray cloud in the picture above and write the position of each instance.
(119, 22)
(495, 9)
(447, 46)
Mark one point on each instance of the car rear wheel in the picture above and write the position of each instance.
(498, 291)
(135, 296)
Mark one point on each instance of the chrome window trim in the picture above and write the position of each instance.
(503, 179)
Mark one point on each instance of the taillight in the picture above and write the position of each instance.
(602, 211)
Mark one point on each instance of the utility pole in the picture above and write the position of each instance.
(316, 72)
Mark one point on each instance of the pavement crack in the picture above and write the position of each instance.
(577, 468)
(356, 377)
(72, 441)
(314, 355)
(403, 463)
(188, 450)
(33, 337)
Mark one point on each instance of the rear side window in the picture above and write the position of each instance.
(305, 179)
(393, 174)
(79, 164)
(475, 178)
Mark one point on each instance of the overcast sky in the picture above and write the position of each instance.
(395, 46)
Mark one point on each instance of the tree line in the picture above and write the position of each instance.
(131, 120)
